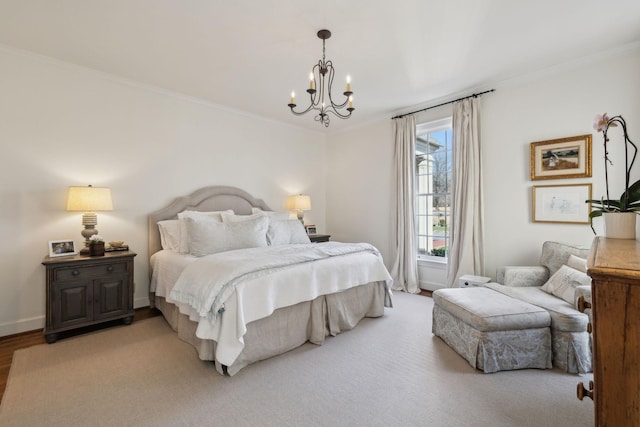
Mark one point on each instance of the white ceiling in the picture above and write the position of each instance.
(249, 55)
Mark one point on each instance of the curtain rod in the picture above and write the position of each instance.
(475, 95)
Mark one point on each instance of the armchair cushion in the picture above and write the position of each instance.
(564, 317)
(522, 275)
(564, 282)
(578, 263)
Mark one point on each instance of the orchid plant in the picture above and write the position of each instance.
(629, 200)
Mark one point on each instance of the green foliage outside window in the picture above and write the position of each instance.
(441, 252)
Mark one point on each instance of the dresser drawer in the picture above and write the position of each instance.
(70, 273)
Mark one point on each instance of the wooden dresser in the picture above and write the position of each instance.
(614, 266)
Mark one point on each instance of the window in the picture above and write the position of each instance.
(433, 189)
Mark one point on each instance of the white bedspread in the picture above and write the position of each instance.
(206, 284)
(249, 284)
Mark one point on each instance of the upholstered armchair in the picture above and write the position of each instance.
(554, 255)
(570, 339)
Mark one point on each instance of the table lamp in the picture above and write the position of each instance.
(88, 200)
(299, 203)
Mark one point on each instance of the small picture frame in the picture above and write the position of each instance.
(62, 248)
(561, 158)
(311, 229)
(561, 203)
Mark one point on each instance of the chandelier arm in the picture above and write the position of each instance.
(331, 71)
(339, 114)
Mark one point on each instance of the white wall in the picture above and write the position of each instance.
(558, 103)
(359, 186)
(62, 125)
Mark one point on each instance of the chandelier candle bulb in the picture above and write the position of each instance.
(348, 83)
(293, 98)
(312, 84)
(351, 101)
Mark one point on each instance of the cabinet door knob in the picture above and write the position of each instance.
(582, 304)
(75, 272)
(110, 268)
(583, 392)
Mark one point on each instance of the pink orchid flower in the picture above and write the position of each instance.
(601, 122)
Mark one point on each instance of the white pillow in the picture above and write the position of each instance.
(578, 263)
(170, 234)
(231, 217)
(284, 232)
(184, 232)
(209, 236)
(273, 215)
(563, 283)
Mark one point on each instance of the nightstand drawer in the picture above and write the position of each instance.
(69, 273)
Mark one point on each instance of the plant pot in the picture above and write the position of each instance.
(96, 249)
(619, 225)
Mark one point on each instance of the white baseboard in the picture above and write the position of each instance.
(141, 302)
(23, 325)
(35, 323)
(430, 286)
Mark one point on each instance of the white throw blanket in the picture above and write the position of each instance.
(207, 283)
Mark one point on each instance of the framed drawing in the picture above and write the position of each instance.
(61, 248)
(561, 158)
(561, 203)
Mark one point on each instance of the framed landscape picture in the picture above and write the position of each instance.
(561, 203)
(561, 158)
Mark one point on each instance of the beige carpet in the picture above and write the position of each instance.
(389, 371)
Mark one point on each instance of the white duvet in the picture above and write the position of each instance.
(224, 292)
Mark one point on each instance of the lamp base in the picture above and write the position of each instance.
(89, 220)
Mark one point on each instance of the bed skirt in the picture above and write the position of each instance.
(288, 327)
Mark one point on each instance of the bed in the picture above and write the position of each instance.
(240, 300)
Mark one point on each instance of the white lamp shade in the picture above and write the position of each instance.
(89, 199)
(300, 202)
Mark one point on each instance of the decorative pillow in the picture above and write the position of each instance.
(284, 232)
(563, 283)
(209, 236)
(578, 263)
(170, 234)
(184, 232)
(273, 215)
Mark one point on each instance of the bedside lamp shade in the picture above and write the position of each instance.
(299, 203)
(88, 200)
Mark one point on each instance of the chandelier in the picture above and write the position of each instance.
(321, 77)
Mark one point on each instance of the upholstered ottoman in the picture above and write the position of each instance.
(492, 331)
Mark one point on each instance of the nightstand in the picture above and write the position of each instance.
(83, 291)
(318, 238)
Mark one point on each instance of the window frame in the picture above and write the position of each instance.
(424, 128)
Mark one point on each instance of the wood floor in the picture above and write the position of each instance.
(11, 343)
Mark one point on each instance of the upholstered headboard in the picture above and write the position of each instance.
(215, 198)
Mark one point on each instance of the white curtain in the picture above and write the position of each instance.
(466, 252)
(405, 264)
